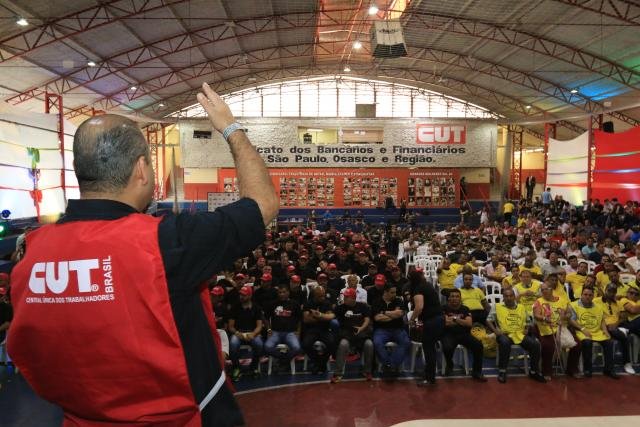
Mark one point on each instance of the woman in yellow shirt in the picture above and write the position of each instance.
(550, 312)
(588, 320)
(514, 279)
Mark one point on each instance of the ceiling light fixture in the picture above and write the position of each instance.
(527, 107)
(357, 44)
(161, 105)
(22, 22)
(91, 64)
(574, 90)
(373, 9)
(133, 88)
(347, 69)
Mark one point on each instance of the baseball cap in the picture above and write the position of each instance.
(291, 268)
(361, 253)
(217, 290)
(383, 253)
(380, 280)
(246, 290)
(304, 257)
(319, 248)
(349, 293)
(295, 278)
(373, 266)
(332, 266)
(266, 277)
(322, 276)
(239, 276)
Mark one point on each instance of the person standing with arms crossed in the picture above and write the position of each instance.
(112, 318)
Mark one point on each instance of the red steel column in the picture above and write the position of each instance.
(595, 123)
(53, 100)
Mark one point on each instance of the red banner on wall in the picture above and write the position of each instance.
(617, 167)
(357, 188)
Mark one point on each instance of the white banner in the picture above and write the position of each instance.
(292, 143)
(567, 165)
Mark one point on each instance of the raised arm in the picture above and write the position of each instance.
(253, 178)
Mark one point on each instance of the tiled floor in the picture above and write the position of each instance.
(311, 401)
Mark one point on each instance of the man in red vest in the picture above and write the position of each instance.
(113, 321)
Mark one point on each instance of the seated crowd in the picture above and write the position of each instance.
(549, 279)
(565, 278)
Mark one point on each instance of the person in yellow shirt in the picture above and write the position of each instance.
(474, 299)
(559, 290)
(510, 324)
(614, 279)
(588, 320)
(550, 312)
(602, 279)
(527, 291)
(631, 306)
(529, 259)
(446, 276)
(522, 221)
(513, 279)
(576, 280)
(507, 211)
(612, 311)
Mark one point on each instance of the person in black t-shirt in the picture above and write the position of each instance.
(266, 295)
(219, 307)
(330, 295)
(318, 341)
(388, 326)
(297, 292)
(457, 330)
(426, 318)
(335, 282)
(374, 293)
(283, 326)
(245, 326)
(355, 332)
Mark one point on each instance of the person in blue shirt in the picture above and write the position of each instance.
(546, 197)
(477, 280)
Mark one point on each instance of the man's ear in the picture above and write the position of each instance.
(140, 171)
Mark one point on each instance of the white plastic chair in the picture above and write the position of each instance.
(591, 265)
(525, 357)
(460, 350)
(422, 250)
(494, 299)
(563, 262)
(283, 348)
(492, 288)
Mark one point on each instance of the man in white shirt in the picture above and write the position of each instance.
(633, 263)
(519, 250)
(352, 283)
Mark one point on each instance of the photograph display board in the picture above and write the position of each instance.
(362, 188)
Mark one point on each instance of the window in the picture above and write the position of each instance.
(337, 97)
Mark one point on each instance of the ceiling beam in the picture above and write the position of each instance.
(57, 29)
(249, 27)
(625, 11)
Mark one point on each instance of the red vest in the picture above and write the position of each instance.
(93, 329)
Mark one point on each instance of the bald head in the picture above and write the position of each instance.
(105, 150)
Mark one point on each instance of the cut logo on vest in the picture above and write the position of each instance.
(73, 278)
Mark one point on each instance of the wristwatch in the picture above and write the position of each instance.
(226, 133)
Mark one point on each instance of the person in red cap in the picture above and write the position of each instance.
(245, 327)
(265, 296)
(368, 279)
(375, 292)
(355, 332)
(129, 296)
(219, 307)
(361, 264)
